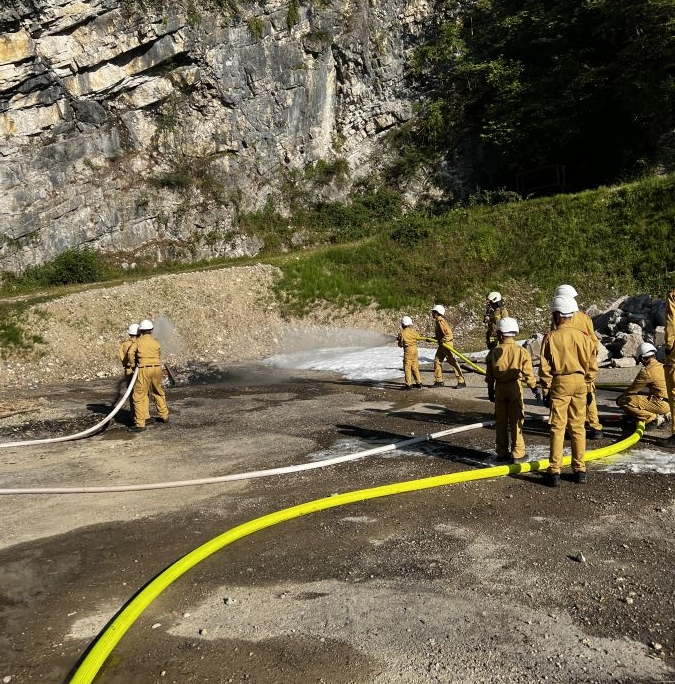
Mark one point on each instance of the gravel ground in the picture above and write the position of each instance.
(204, 319)
(501, 580)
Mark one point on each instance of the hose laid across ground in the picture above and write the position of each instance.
(455, 352)
(84, 433)
(251, 474)
(106, 642)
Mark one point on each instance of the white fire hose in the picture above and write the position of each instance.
(249, 475)
(84, 433)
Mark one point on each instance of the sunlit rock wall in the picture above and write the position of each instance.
(143, 129)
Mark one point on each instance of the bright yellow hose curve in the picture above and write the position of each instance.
(102, 648)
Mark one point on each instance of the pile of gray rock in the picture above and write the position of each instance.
(621, 328)
(627, 323)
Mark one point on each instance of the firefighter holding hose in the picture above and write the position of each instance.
(149, 381)
(126, 355)
(507, 365)
(651, 409)
(494, 312)
(444, 336)
(582, 321)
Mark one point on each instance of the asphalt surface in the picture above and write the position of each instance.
(502, 580)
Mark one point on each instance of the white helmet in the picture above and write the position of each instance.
(439, 308)
(133, 329)
(646, 349)
(564, 305)
(566, 290)
(406, 320)
(494, 297)
(508, 326)
(145, 325)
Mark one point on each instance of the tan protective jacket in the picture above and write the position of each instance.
(508, 362)
(670, 327)
(651, 376)
(125, 357)
(443, 331)
(582, 321)
(408, 337)
(494, 317)
(566, 351)
(147, 351)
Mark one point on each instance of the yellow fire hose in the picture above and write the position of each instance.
(455, 352)
(106, 642)
(478, 369)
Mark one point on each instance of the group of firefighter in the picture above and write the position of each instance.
(566, 383)
(142, 351)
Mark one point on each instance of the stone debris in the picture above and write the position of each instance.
(629, 322)
(621, 329)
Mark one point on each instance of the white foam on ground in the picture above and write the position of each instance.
(639, 460)
(353, 363)
(386, 363)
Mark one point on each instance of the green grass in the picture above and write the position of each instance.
(14, 339)
(606, 241)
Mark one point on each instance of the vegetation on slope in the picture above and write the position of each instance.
(606, 242)
(520, 84)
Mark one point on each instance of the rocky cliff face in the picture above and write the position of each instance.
(137, 128)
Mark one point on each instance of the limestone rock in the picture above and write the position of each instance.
(145, 128)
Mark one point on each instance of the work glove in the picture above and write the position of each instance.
(537, 394)
(491, 394)
(589, 398)
(546, 400)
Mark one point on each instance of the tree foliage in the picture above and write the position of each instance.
(521, 84)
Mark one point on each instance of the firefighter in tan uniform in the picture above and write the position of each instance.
(507, 365)
(443, 335)
(126, 356)
(494, 312)
(582, 321)
(567, 371)
(669, 365)
(149, 381)
(652, 408)
(408, 339)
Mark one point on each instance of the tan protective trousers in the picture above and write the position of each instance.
(669, 372)
(509, 418)
(445, 354)
(411, 366)
(592, 417)
(149, 381)
(643, 408)
(568, 410)
(128, 374)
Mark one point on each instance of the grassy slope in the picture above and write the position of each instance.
(606, 241)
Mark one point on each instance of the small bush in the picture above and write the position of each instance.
(69, 267)
(323, 172)
(293, 14)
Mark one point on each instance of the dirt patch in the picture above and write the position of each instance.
(206, 319)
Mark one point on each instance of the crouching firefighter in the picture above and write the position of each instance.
(652, 409)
